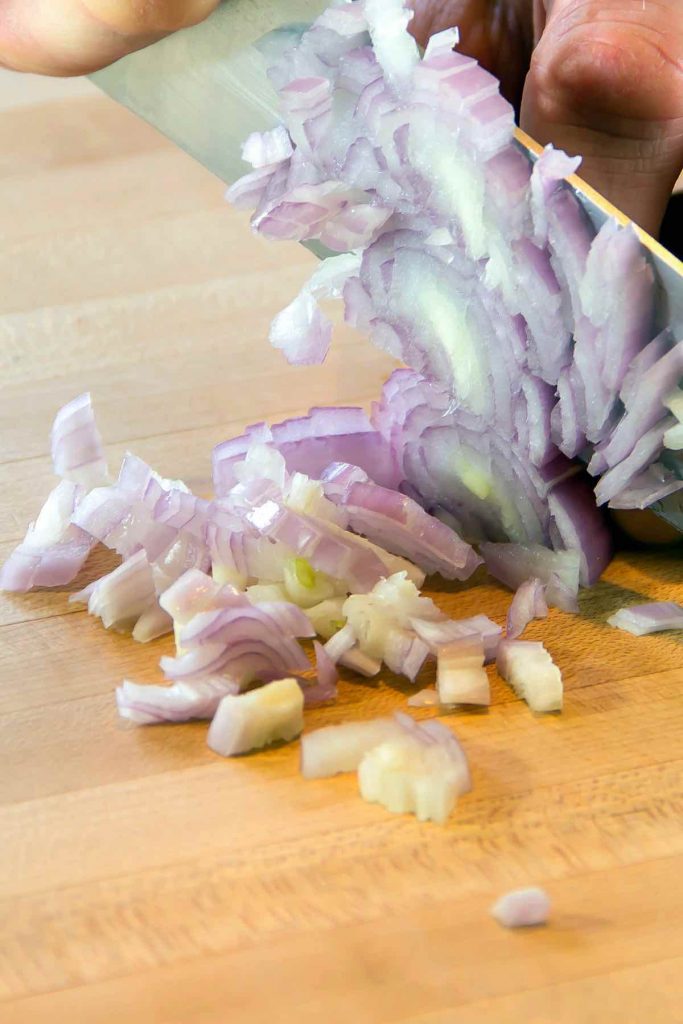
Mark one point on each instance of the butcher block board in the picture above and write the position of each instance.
(146, 879)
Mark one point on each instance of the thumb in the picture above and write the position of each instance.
(74, 37)
(606, 81)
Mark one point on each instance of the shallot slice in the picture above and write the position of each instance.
(340, 748)
(422, 771)
(460, 674)
(527, 604)
(427, 698)
(253, 720)
(522, 908)
(531, 673)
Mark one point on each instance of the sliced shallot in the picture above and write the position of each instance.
(531, 673)
(522, 908)
(653, 617)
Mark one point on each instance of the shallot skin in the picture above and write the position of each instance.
(522, 908)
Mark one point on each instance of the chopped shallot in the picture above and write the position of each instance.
(422, 771)
(531, 673)
(340, 748)
(252, 720)
(527, 339)
(654, 617)
(527, 604)
(122, 596)
(77, 451)
(147, 705)
(460, 674)
(522, 908)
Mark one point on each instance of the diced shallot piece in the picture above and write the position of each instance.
(148, 705)
(427, 698)
(522, 908)
(121, 597)
(340, 748)
(54, 550)
(654, 617)
(423, 771)
(324, 689)
(531, 673)
(460, 674)
(527, 604)
(253, 720)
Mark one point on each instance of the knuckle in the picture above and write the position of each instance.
(610, 66)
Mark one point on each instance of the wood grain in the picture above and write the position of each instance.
(142, 877)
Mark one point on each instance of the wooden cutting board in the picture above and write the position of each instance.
(145, 879)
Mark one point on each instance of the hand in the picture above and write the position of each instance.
(603, 78)
(74, 37)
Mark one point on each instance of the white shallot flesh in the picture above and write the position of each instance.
(654, 617)
(256, 719)
(181, 702)
(460, 674)
(421, 771)
(340, 748)
(532, 674)
(527, 604)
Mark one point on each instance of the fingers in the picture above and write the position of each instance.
(606, 81)
(74, 37)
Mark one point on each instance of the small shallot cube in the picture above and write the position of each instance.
(522, 908)
(255, 719)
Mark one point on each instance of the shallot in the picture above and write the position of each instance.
(253, 720)
(522, 908)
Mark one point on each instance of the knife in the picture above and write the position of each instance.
(205, 88)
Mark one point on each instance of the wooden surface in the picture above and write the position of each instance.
(145, 879)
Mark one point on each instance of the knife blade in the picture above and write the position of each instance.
(206, 89)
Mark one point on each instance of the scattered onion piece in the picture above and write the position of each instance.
(340, 748)
(532, 674)
(121, 597)
(527, 604)
(421, 771)
(427, 698)
(400, 525)
(522, 908)
(253, 720)
(54, 550)
(76, 444)
(437, 633)
(324, 689)
(653, 617)
(460, 674)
